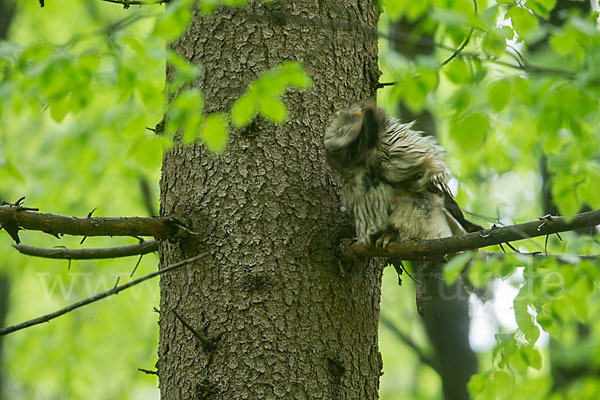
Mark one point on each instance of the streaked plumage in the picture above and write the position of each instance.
(395, 180)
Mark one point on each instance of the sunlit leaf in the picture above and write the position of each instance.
(458, 71)
(171, 24)
(454, 267)
(524, 318)
(494, 41)
(541, 7)
(275, 110)
(264, 94)
(470, 130)
(243, 110)
(523, 21)
(499, 94)
(215, 133)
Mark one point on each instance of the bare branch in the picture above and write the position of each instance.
(159, 228)
(417, 249)
(99, 296)
(89, 254)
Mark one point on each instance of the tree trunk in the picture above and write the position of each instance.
(4, 292)
(7, 11)
(271, 313)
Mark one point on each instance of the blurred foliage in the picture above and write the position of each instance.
(520, 89)
(80, 83)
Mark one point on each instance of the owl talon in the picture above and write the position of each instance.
(383, 237)
(384, 240)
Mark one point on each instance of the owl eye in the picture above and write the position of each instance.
(357, 113)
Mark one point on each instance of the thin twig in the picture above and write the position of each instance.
(89, 254)
(207, 344)
(464, 43)
(148, 372)
(512, 247)
(418, 249)
(561, 258)
(137, 264)
(99, 296)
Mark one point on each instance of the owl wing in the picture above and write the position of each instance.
(401, 152)
(414, 161)
(455, 215)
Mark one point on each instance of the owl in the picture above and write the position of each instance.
(395, 179)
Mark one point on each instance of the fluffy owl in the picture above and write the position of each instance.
(395, 180)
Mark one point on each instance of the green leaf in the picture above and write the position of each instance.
(53, 80)
(151, 95)
(209, 6)
(173, 22)
(184, 72)
(456, 265)
(532, 356)
(215, 132)
(477, 384)
(499, 94)
(563, 42)
(578, 298)
(541, 7)
(494, 41)
(411, 9)
(275, 110)
(564, 194)
(415, 9)
(185, 112)
(59, 109)
(524, 319)
(243, 110)
(478, 273)
(469, 131)
(415, 89)
(394, 8)
(523, 21)
(294, 75)
(147, 150)
(504, 383)
(457, 71)
(460, 101)
(88, 62)
(264, 94)
(12, 170)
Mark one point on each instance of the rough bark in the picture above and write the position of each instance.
(279, 317)
(446, 309)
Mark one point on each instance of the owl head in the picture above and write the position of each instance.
(352, 133)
